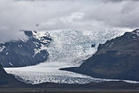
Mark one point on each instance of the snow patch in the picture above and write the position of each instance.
(136, 32)
(44, 38)
(7, 53)
(10, 64)
(40, 36)
(2, 48)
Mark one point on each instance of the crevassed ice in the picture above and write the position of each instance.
(68, 49)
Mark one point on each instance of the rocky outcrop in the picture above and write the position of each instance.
(116, 59)
(7, 80)
(25, 53)
(3, 74)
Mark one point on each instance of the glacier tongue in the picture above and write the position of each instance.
(49, 72)
(67, 49)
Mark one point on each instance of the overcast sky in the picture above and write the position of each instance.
(65, 14)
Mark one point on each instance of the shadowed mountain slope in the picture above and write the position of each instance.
(25, 52)
(116, 59)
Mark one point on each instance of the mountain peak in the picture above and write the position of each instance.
(136, 32)
(28, 33)
(20, 53)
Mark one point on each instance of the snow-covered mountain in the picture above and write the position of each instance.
(25, 52)
(67, 49)
(118, 58)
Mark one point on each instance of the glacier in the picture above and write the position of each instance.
(68, 49)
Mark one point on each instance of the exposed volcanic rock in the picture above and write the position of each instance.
(3, 74)
(25, 53)
(116, 59)
(8, 80)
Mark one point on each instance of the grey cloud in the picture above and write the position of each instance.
(65, 14)
(123, 14)
(119, 0)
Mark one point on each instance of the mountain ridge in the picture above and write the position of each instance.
(115, 59)
(25, 53)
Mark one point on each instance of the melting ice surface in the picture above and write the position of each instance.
(48, 72)
(67, 49)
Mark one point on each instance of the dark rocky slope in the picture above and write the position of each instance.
(8, 80)
(25, 52)
(116, 59)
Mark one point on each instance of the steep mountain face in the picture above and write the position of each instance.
(116, 59)
(7, 80)
(24, 53)
(3, 74)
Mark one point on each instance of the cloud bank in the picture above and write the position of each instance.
(65, 14)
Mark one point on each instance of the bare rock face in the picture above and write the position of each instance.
(25, 53)
(3, 75)
(2, 72)
(9, 81)
(116, 59)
